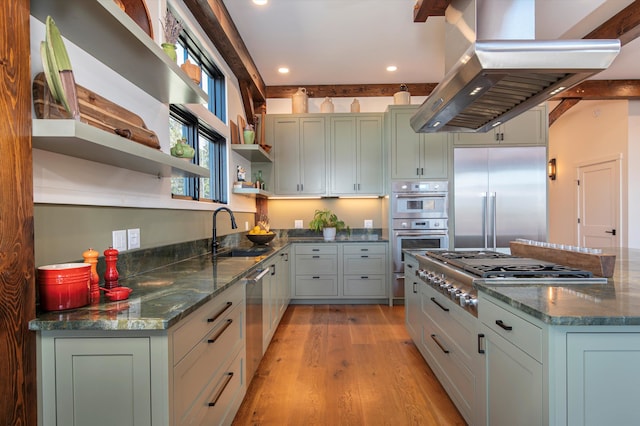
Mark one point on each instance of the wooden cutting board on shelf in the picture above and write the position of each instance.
(95, 111)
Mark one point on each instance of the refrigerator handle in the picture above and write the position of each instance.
(494, 197)
(484, 220)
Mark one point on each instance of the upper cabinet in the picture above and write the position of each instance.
(528, 128)
(356, 166)
(102, 29)
(300, 154)
(416, 155)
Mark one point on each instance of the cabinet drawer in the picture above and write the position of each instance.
(316, 286)
(204, 320)
(364, 264)
(366, 285)
(457, 324)
(203, 362)
(316, 249)
(316, 264)
(517, 330)
(225, 392)
(365, 248)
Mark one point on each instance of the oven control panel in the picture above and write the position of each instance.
(462, 295)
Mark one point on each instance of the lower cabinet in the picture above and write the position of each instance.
(513, 367)
(412, 309)
(340, 271)
(192, 373)
(275, 295)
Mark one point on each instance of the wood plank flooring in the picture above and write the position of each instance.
(345, 365)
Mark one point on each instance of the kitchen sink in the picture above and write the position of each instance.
(245, 252)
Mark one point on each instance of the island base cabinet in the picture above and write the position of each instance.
(513, 384)
(94, 375)
(602, 378)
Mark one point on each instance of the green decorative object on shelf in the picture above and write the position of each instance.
(183, 150)
(170, 50)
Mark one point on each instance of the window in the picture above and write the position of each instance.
(212, 80)
(210, 154)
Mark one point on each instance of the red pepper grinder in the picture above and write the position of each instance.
(111, 273)
(91, 257)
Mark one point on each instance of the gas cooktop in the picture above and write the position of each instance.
(490, 264)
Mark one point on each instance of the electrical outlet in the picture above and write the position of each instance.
(133, 238)
(119, 240)
(246, 226)
(298, 224)
(368, 223)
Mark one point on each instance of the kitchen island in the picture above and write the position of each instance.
(545, 354)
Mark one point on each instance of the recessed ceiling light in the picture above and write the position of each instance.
(392, 68)
(260, 2)
(283, 70)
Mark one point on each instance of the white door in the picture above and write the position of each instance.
(599, 204)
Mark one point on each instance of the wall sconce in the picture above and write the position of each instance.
(551, 169)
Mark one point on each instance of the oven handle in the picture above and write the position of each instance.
(421, 195)
(420, 234)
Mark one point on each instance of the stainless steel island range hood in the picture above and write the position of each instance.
(507, 72)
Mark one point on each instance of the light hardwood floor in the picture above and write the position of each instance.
(345, 365)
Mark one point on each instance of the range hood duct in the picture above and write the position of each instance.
(495, 80)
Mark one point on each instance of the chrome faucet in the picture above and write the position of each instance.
(214, 242)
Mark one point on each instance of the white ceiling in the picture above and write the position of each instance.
(353, 41)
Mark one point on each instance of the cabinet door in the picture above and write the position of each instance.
(313, 168)
(405, 146)
(513, 384)
(84, 396)
(602, 380)
(413, 312)
(286, 151)
(344, 158)
(435, 156)
(489, 138)
(529, 128)
(370, 166)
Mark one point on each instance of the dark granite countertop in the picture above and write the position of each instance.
(615, 303)
(164, 296)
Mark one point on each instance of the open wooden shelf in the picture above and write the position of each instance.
(252, 192)
(252, 152)
(80, 140)
(102, 29)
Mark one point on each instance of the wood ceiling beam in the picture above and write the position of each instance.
(625, 25)
(564, 105)
(216, 22)
(425, 8)
(603, 90)
(350, 90)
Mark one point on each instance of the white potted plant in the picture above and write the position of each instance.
(327, 222)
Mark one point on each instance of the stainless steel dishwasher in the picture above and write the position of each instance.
(254, 320)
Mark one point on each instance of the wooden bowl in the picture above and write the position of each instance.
(261, 238)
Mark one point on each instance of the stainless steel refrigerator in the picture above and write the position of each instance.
(500, 194)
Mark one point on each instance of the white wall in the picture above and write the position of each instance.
(373, 104)
(589, 132)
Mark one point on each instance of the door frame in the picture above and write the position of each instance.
(621, 225)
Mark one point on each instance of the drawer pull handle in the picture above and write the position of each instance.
(415, 287)
(315, 249)
(480, 343)
(315, 257)
(364, 249)
(364, 277)
(222, 330)
(435, 339)
(503, 325)
(316, 277)
(364, 256)
(221, 391)
(433, 299)
(216, 316)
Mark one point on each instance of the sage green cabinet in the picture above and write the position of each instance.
(416, 155)
(275, 295)
(300, 154)
(356, 165)
(528, 128)
(412, 310)
(315, 271)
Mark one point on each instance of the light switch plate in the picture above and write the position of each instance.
(133, 237)
(368, 223)
(298, 224)
(119, 240)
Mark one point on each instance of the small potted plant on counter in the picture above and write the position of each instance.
(327, 222)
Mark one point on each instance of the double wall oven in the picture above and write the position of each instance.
(419, 212)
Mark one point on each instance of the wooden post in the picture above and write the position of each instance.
(18, 405)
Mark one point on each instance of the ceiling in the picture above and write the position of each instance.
(335, 42)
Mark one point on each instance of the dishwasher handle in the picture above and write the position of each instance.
(258, 275)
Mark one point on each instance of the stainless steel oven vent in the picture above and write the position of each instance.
(497, 79)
